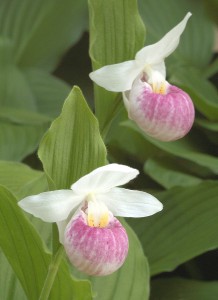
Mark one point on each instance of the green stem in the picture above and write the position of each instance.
(52, 272)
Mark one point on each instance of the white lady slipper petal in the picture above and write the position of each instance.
(94, 240)
(161, 110)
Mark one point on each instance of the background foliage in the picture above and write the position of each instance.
(43, 53)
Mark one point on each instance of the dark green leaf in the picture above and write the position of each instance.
(19, 116)
(14, 90)
(41, 31)
(178, 288)
(166, 173)
(196, 43)
(185, 228)
(49, 91)
(202, 92)
(20, 179)
(17, 141)
(190, 148)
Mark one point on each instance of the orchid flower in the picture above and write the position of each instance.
(94, 240)
(161, 110)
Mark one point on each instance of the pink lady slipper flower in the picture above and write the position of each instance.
(94, 240)
(161, 110)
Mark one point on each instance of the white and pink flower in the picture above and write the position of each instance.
(161, 110)
(94, 240)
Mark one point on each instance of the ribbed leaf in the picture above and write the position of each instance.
(26, 253)
(72, 147)
(116, 34)
(177, 288)
(168, 174)
(41, 31)
(185, 228)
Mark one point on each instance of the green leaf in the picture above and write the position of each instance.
(118, 140)
(14, 90)
(17, 140)
(27, 255)
(18, 116)
(190, 148)
(212, 126)
(178, 288)
(116, 34)
(212, 69)
(72, 147)
(20, 179)
(166, 173)
(196, 43)
(42, 31)
(131, 281)
(186, 227)
(202, 91)
(49, 91)
(212, 7)
(10, 288)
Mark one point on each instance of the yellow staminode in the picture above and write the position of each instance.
(159, 88)
(98, 222)
(97, 214)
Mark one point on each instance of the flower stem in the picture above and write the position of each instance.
(52, 272)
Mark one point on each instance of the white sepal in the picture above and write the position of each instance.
(52, 206)
(104, 178)
(117, 77)
(155, 53)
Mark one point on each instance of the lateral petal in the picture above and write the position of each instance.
(127, 203)
(52, 206)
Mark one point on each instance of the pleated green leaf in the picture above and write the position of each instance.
(72, 147)
(116, 34)
(131, 281)
(186, 227)
(178, 288)
(28, 256)
(41, 31)
(167, 174)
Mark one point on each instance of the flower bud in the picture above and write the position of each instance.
(166, 115)
(93, 250)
